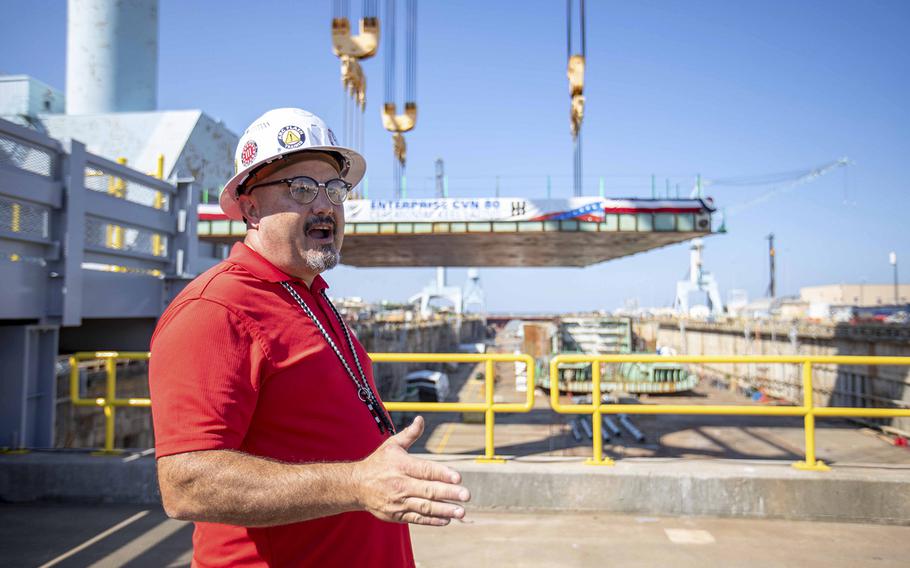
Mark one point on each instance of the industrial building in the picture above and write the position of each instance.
(859, 295)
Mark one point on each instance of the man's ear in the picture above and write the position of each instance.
(249, 209)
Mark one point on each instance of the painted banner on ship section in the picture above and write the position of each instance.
(457, 209)
(509, 209)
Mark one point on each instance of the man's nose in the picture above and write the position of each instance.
(322, 204)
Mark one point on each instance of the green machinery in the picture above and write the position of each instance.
(607, 335)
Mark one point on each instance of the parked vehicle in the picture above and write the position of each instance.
(422, 386)
(426, 386)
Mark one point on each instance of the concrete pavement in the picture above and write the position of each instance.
(101, 536)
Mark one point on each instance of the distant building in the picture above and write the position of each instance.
(23, 97)
(193, 144)
(737, 300)
(860, 295)
(792, 308)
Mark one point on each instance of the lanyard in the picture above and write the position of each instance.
(364, 392)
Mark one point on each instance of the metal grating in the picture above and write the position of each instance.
(23, 156)
(103, 182)
(101, 233)
(23, 218)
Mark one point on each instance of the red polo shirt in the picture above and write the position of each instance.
(237, 365)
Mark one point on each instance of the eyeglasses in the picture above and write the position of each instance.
(303, 189)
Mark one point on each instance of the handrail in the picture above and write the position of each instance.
(488, 407)
(596, 409)
(807, 409)
(110, 401)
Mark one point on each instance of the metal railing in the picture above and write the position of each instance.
(807, 410)
(488, 407)
(596, 408)
(76, 227)
(110, 402)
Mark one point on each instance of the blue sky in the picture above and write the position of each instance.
(673, 88)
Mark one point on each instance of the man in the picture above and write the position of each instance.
(268, 430)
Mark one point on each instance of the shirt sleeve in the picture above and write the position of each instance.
(204, 378)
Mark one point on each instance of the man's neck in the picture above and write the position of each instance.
(253, 241)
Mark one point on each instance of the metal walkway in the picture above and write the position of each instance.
(84, 242)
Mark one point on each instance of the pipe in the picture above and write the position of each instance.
(627, 424)
(611, 426)
(111, 56)
(604, 435)
(586, 426)
(576, 431)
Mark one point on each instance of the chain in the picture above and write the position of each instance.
(364, 392)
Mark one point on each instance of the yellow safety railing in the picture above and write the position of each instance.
(110, 402)
(596, 409)
(808, 410)
(488, 407)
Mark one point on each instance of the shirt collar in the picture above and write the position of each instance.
(256, 264)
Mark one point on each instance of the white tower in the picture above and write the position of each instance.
(473, 293)
(699, 281)
(111, 56)
(438, 290)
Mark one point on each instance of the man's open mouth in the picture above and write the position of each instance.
(321, 231)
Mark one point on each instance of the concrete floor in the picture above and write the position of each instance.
(129, 535)
(529, 540)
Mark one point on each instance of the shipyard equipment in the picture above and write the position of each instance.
(393, 121)
(576, 73)
(699, 280)
(606, 335)
(351, 50)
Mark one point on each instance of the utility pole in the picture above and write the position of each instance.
(440, 177)
(771, 284)
(892, 258)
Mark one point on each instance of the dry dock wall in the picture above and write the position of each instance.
(835, 385)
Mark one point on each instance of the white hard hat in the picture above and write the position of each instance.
(279, 133)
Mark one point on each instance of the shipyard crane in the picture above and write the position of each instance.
(781, 182)
(394, 122)
(350, 50)
(576, 74)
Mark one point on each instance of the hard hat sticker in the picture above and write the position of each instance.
(248, 154)
(291, 137)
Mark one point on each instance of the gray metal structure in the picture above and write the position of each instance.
(90, 254)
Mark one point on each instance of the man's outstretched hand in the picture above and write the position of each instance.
(395, 486)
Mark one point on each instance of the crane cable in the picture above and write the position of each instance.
(350, 50)
(783, 185)
(575, 70)
(394, 122)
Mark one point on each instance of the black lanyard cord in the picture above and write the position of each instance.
(364, 391)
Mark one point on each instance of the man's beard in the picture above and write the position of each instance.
(323, 258)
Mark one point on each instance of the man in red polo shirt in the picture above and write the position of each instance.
(269, 432)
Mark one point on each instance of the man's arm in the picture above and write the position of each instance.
(225, 486)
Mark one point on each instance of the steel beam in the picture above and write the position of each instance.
(28, 391)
